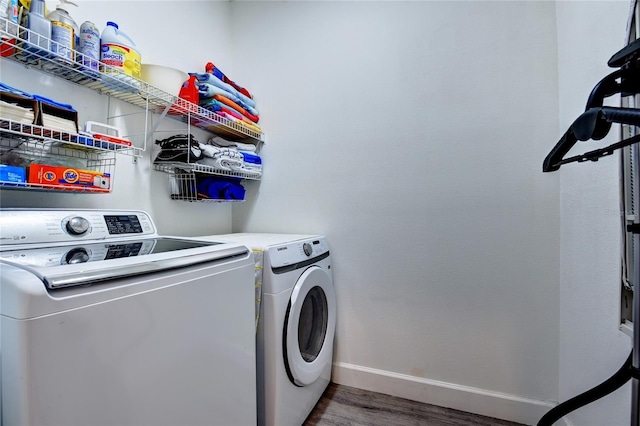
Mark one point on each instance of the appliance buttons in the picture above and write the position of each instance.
(77, 225)
(308, 250)
(76, 255)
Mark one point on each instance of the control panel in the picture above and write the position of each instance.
(28, 226)
(297, 251)
(66, 255)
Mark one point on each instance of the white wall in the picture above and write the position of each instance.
(412, 134)
(591, 346)
(161, 31)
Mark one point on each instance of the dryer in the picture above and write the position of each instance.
(296, 324)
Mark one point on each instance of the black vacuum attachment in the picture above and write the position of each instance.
(596, 121)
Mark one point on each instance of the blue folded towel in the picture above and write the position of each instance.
(218, 188)
(251, 158)
(249, 103)
(211, 106)
(208, 90)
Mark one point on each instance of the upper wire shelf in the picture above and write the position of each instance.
(113, 82)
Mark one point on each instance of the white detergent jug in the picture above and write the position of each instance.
(120, 53)
(64, 32)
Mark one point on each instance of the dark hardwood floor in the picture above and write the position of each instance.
(347, 406)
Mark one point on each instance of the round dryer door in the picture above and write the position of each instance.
(310, 326)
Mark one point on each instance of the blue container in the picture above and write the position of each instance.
(10, 175)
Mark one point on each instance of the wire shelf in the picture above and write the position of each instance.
(185, 168)
(113, 82)
(184, 188)
(25, 131)
(30, 152)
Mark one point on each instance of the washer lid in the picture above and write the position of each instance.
(310, 326)
(65, 265)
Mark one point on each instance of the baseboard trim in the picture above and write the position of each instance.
(465, 398)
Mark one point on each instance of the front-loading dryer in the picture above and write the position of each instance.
(296, 325)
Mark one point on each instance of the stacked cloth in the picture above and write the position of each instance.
(218, 153)
(235, 156)
(221, 95)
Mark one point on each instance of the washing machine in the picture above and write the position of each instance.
(105, 322)
(296, 323)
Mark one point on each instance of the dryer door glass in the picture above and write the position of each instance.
(312, 328)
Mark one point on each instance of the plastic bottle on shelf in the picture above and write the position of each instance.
(120, 53)
(64, 32)
(89, 46)
(9, 11)
(39, 27)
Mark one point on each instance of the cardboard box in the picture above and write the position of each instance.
(19, 102)
(53, 117)
(12, 175)
(69, 178)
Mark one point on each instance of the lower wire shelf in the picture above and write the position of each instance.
(53, 166)
(184, 187)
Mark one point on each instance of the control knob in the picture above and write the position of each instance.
(76, 255)
(77, 225)
(308, 250)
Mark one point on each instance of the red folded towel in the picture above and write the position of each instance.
(237, 107)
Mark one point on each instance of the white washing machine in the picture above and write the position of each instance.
(296, 324)
(104, 322)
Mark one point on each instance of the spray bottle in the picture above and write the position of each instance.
(64, 32)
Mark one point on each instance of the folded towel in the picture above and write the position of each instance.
(221, 188)
(225, 108)
(250, 104)
(217, 152)
(246, 147)
(236, 107)
(251, 124)
(220, 141)
(206, 91)
(250, 157)
(211, 107)
(224, 163)
(242, 123)
(232, 164)
(212, 69)
(209, 150)
(228, 116)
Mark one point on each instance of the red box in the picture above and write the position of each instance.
(69, 178)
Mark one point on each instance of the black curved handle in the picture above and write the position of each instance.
(592, 124)
(606, 87)
(625, 55)
(629, 116)
(564, 145)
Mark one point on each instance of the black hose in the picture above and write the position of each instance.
(622, 376)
